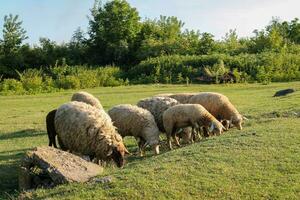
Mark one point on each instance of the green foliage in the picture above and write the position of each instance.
(11, 86)
(245, 67)
(68, 82)
(216, 71)
(150, 51)
(13, 34)
(113, 28)
(32, 80)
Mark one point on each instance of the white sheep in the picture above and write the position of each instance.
(87, 98)
(189, 115)
(219, 106)
(135, 121)
(88, 131)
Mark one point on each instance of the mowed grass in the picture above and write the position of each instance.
(260, 162)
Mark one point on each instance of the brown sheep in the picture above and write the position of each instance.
(219, 106)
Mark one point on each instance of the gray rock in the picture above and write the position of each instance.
(47, 166)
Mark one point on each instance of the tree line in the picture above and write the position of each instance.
(117, 36)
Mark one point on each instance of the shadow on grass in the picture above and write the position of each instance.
(9, 162)
(22, 134)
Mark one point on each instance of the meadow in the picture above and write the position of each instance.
(260, 162)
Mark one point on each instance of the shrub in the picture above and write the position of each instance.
(68, 82)
(32, 80)
(11, 86)
(165, 69)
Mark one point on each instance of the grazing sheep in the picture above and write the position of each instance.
(219, 106)
(85, 130)
(180, 97)
(157, 106)
(134, 121)
(51, 128)
(185, 115)
(86, 98)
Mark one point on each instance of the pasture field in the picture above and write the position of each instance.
(260, 162)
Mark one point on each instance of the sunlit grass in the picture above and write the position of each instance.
(262, 161)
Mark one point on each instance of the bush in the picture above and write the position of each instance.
(165, 69)
(11, 86)
(32, 80)
(68, 82)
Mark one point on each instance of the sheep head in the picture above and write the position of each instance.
(117, 154)
(216, 128)
(237, 121)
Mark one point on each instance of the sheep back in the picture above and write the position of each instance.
(87, 98)
(83, 129)
(184, 115)
(217, 104)
(134, 121)
(182, 98)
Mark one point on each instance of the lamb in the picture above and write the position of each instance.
(180, 97)
(185, 115)
(88, 131)
(138, 122)
(219, 106)
(51, 128)
(86, 98)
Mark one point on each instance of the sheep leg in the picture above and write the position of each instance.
(174, 137)
(169, 142)
(141, 144)
(205, 132)
(62, 146)
(193, 136)
(54, 142)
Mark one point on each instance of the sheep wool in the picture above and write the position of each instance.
(219, 106)
(182, 98)
(157, 106)
(83, 129)
(134, 121)
(185, 115)
(86, 98)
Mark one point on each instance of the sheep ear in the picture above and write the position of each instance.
(212, 127)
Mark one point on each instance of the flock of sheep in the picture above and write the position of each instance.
(82, 126)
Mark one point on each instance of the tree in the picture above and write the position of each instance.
(112, 30)
(206, 44)
(77, 48)
(162, 37)
(13, 34)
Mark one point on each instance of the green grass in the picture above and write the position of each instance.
(260, 162)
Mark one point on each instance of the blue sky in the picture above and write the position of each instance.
(57, 19)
